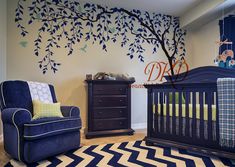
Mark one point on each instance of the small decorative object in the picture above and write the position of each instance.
(88, 76)
(225, 58)
(100, 76)
(112, 76)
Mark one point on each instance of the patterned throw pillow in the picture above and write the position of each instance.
(40, 91)
(42, 110)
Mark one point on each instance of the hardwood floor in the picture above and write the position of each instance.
(138, 135)
(3, 156)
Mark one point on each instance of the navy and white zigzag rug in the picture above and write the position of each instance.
(131, 154)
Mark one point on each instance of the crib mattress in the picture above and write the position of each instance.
(205, 111)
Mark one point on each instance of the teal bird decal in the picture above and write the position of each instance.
(135, 31)
(80, 9)
(38, 17)
(23, 44)
(83, 48)
(112, 30)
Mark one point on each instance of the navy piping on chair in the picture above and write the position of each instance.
(60, 130)
(42, 123)
(18, 135)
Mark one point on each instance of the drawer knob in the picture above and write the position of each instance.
(121, 89)
(121, 100)
(100, 112)
(120, 123)
(120, 111)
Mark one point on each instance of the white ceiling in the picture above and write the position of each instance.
(171, 7)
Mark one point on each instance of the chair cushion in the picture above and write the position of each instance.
(45, 127)
(42, 110)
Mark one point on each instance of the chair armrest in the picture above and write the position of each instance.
(70, 111)
(13, 125)
(16, 116)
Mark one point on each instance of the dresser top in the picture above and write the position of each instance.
(110, 81)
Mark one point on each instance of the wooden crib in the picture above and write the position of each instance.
(185, 114)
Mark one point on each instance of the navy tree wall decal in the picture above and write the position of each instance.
(67, 19)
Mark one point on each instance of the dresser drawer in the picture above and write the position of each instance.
(110, 113)
(110, 101)
(110, 89)
(110, 124)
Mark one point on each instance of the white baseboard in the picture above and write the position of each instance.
(139, 125)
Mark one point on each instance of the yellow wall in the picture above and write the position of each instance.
(69, 80)
(203, 47)
(3, 30)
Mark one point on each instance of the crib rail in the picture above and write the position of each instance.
(184, 112)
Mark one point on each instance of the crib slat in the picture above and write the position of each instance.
(167, 114)
(209, 100)
(180, 114)
(173, 114)
(161, 112)
(194, 120)
(201, 101)
(187, 100)
(156, 111)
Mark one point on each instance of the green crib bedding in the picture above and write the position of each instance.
(205, 111)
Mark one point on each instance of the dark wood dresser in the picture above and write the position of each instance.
(109, 108)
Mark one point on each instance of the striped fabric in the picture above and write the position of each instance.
(226, 101)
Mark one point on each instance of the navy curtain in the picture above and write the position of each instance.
(229, 32)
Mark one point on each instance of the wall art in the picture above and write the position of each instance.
(74, 21)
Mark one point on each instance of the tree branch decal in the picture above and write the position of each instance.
(74, 21)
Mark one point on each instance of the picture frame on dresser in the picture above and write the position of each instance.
(109, 108)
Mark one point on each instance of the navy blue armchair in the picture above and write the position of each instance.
(30, 140)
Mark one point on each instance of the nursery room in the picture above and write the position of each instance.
(117, 83)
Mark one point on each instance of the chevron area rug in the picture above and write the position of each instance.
(131, 154)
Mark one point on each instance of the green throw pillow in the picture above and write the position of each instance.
(42, 110)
